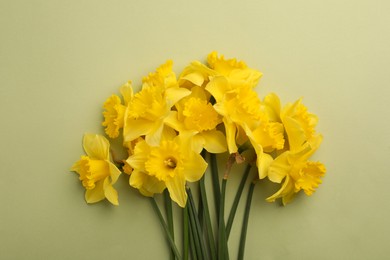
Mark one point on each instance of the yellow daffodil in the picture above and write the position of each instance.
(115, 111)
(272, 107)
(96, 172)
(196, 74)
(235, 99)
(146, 113)
(238, 106)
(299, 125)
(237, 72)
(170, 164)
(139, 179)
(296, 172)
(196, 117)
(266, 138)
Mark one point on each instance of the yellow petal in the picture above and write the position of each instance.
(214, 141)
(237, 71)
(109, 192)
(263, 163)
(194, 166)
(96, 146)
(96, 194)
(218, 87)
(299, 124)
(172, 121)
(135, 128)
(231, 131)
(173, 95)
(286, 189)
(272, 105)
(114, 172)
(279, 168)
(176, 188)
(196, 73)
(153, 138)
(75, 167)
(146, 184)
(127, 92)
(198, 142)
(195, 78)
(140, 156)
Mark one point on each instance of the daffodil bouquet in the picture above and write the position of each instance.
(172, 130)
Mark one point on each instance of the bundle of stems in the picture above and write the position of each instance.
(202, 240)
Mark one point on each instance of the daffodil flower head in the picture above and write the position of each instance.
(196, 74)
(299, 124)
(195, 116)
(149, 108)
(237, 72)
(96, 172)
(200, 115)
(115, 111)
(162, 77)
(240, 108)
(296, 173)
(172, 163)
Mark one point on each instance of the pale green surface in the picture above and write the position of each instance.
(59, 60)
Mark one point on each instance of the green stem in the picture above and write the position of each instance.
(185, 233)
(201, 212)
(215, 182)
(223, 253)
(192, 243)
(196, 226)
(207, 219)
(237, 200)
(245, 222)
(168, 210)
(195, 237)
(165, 227)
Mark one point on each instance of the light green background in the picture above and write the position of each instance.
(59, 61)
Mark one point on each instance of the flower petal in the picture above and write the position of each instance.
(172, 121)
(135, 128)
(153, 138)
(231, 131)
(194, 167)
(272, 105)
(173, 95)
(109, 192)
(96, 194)
(140, 156)
(96, 146)
(127, 92)
(146, 184)
(197, 143)
(287, 187)
(114, 172)
(214, 141)
(218, 87)
(263, 163)
(176, 188)
(279, 168)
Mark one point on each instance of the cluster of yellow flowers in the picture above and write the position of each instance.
(213, 107)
